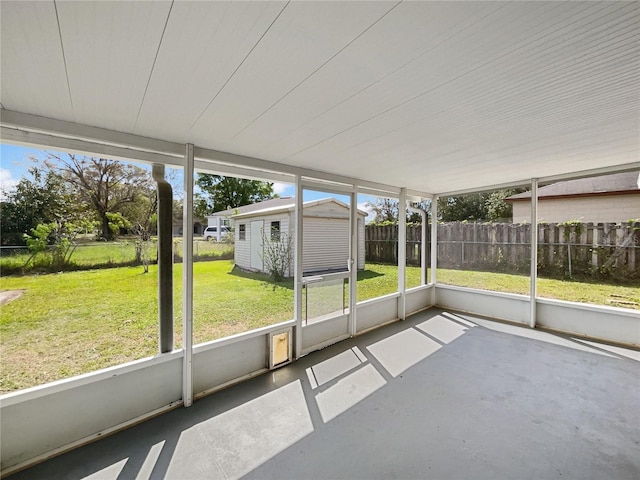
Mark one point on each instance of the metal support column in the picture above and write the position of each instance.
(187, 278)
(353, 261)
(165, 259)
(402, 253)
(297, 265)
(534, 251)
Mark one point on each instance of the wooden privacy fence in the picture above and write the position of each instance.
(566, 249)
(381, 244)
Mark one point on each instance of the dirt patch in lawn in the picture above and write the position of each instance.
(7, 295)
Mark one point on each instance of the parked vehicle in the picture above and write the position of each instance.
(212, 232)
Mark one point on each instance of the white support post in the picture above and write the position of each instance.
(534, 251)
(353, 261)
(423, 250)
(434, 246)
(402, 253)
(297, 289)
(187, 278)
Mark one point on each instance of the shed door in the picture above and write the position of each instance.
(256, 244)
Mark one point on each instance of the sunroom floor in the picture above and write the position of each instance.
(440, 395)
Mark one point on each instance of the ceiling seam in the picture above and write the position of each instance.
(462, 75)
(64, 58)
(237, 68)
(384, 77)
(499, 119)
(155, 59)
(318, 69)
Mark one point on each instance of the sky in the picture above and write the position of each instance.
(16, 160)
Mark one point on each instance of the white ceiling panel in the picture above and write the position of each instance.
(374, 56)
(306, 36)
(204, 44)
(478, 52)
(432, 96)
(34, 79)
(109, 49)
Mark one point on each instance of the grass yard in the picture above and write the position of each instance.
(92, 254)
(70, 323)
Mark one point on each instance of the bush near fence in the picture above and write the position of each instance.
(570, 249)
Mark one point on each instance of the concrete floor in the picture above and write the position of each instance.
(441, 395)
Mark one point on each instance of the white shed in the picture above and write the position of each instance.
(325, 241)
(223, 218)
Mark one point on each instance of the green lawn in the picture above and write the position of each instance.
(75, 322)
(92, 254)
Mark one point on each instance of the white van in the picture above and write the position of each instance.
(212, 232)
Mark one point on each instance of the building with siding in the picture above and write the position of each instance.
(325, 241)
(605, 199)
(177, 227)
(224, 217)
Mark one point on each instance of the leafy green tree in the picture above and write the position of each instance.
(478, 207)
(54, 241)
(40, 198)
(386, 211)
(221, 193)
(103, 184)
(463, 208)
(497, 208)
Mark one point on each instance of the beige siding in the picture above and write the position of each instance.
(597, 209)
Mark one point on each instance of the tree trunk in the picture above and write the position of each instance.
(106, 231)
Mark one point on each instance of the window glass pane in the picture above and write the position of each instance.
(415, 241)
(380, 275)
(325, 255)
(589, 240)
(480, 245)
(275, 231)
(242, 280)
(81, 289)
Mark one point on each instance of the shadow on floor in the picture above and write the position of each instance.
(441, 395)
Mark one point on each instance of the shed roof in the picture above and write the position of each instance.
(619, 183)
(271, 203)
(291, 207)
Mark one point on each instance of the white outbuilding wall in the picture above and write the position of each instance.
(325, 241)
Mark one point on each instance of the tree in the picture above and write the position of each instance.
(106, 185)
(478, 207)
(141, 214)
(223, 193)
(41, 199)
(497, 208)
(386, 210)
(55, 241)
(470, 207)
